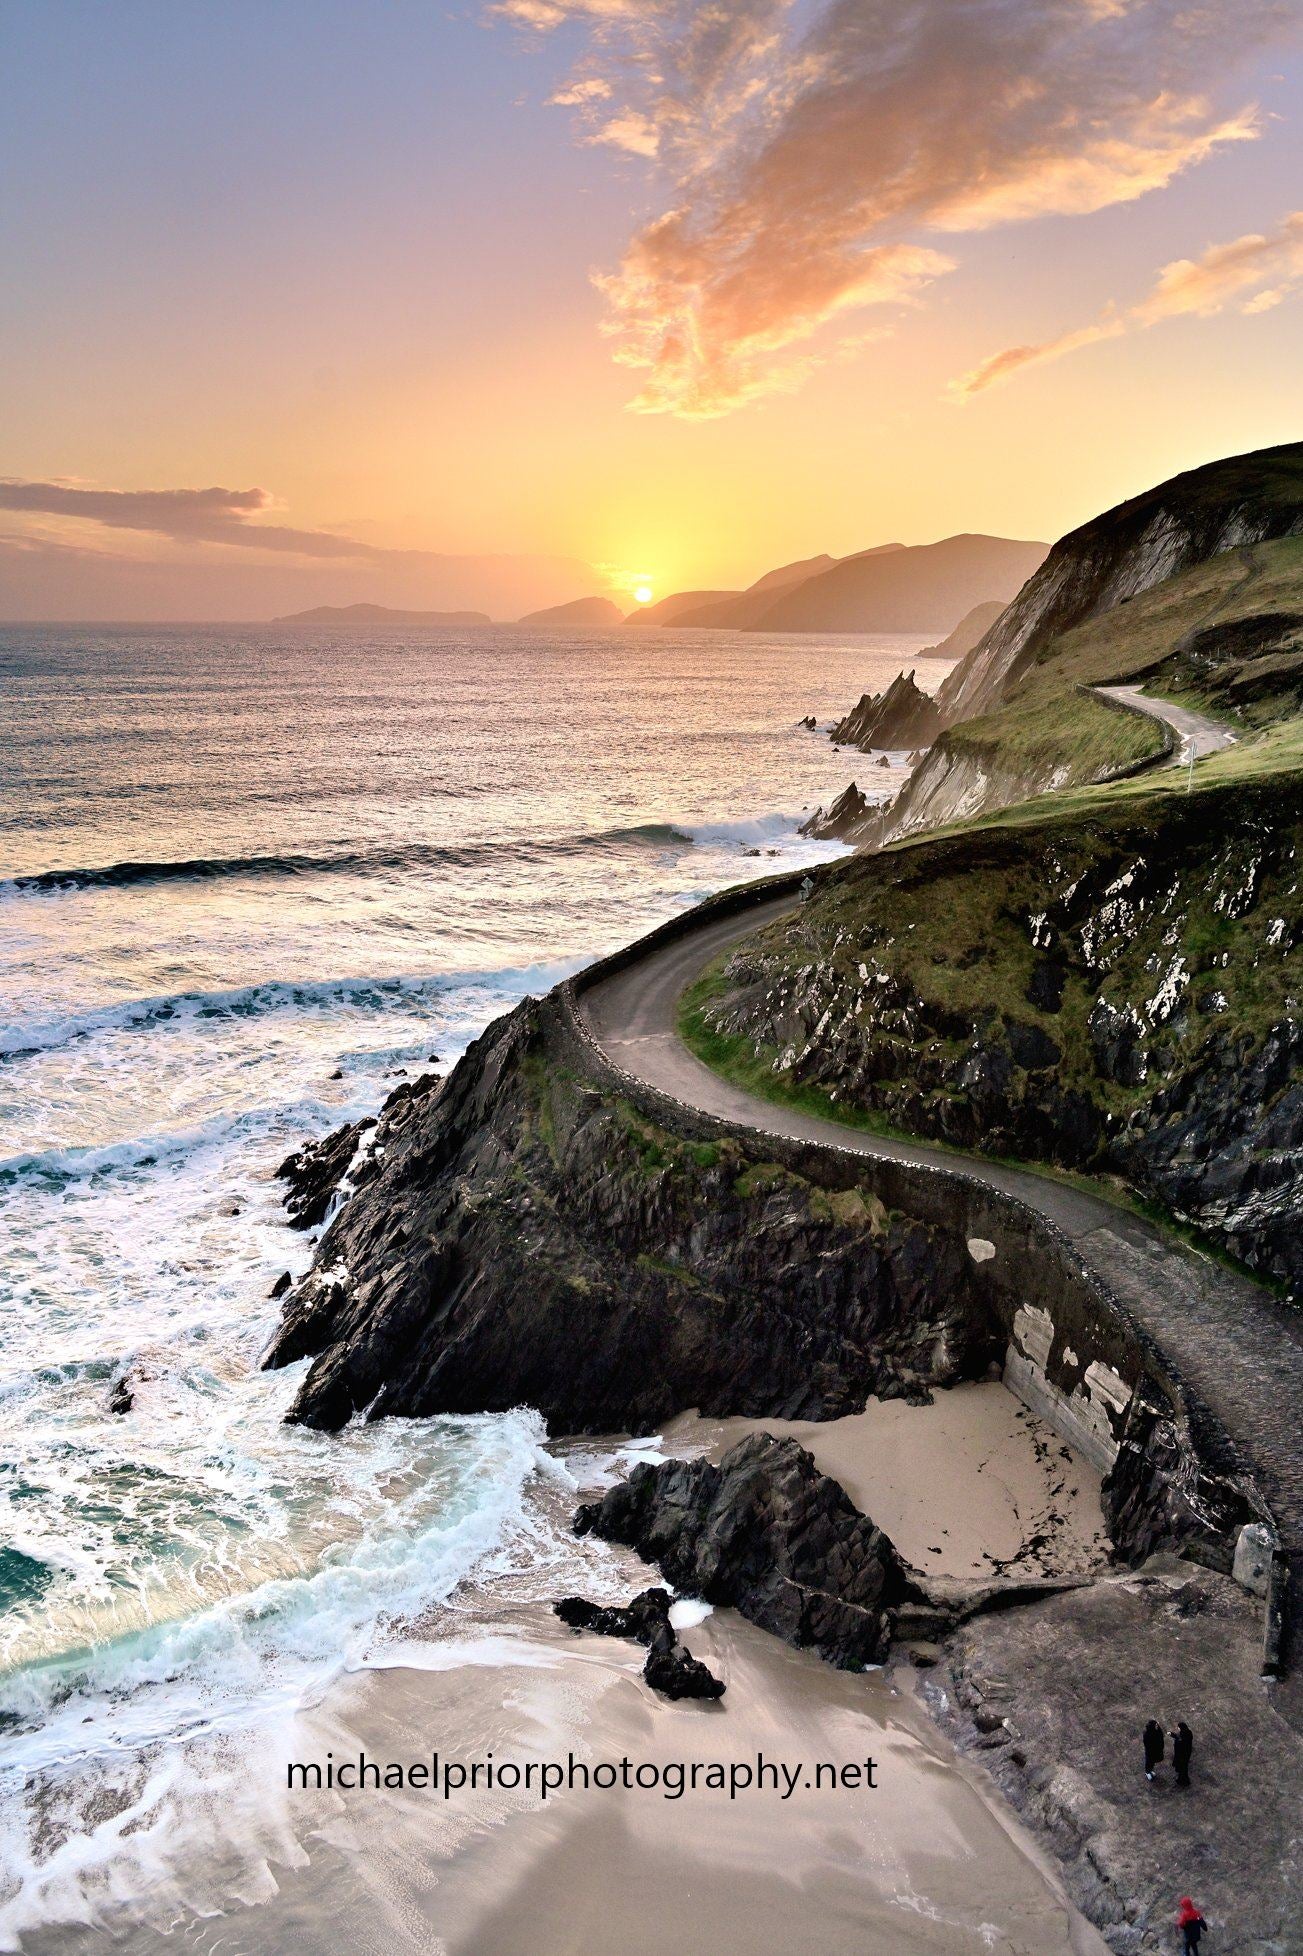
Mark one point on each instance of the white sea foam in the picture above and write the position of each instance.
(174, 1581)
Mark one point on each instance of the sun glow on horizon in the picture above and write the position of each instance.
(642, 593)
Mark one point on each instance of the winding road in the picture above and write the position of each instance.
(1238, 1347)
(1196, 733)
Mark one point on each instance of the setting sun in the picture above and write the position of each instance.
(643, 593)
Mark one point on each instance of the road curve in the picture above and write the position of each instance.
(1196, 734)
(1237, 1346)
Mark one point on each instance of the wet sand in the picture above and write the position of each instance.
(929, 1860)
(972, 1485)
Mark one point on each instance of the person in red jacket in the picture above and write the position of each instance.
(1191, 1924)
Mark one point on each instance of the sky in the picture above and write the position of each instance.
(500, 304)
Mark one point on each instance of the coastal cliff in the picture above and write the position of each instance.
(1114, 993)
(1200, 575)
(525, 1236)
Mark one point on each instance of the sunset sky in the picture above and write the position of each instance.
(666, 291)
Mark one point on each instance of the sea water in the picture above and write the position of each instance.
(249, 880)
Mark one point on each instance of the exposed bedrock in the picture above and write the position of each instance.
(546, 1231)
(1118, 996)
(1223, 506)
(901, 716)
(526, 1237)
(768, 1534)
(843, 818)
(670, 1668)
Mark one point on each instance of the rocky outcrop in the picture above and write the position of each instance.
(902, 716)
(525, 1237)
(676, 1673)
(670, 1668)
(314, 1172)
(1116, 997)
(768, 1534)
(645, 1620)
(844, 820)
(1244, 500)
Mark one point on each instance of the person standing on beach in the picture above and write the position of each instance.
(1155, 1745)
(1191, 1924)
(1182, 1747)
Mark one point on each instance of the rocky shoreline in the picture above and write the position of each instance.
(539, 1230)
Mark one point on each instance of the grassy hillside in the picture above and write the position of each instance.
(1226, 636)
(1102, 978)
(1105, 982)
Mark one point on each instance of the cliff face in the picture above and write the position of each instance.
(1246, 500)
(1194, 576)
(522, 1237)
(1115, 996)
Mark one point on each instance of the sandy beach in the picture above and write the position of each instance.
(972, 1485)
(925, 1859)
(925, 1862)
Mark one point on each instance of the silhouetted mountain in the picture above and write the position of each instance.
(739, 610)
(923, 588)
(972, 627)
(666, 611)
(379, 614)
(580, 611)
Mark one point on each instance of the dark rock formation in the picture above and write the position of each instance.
(676, 1673)
(902, 716)
(1173, 1489)
(525, 1238)
(315, 1171)
(121, 1395)
(670, 1669)
(646, 1620)
(842, 820)
(768, 1534)
(1119, 996)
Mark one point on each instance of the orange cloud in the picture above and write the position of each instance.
(816, 153)
(1258, 270)
(1231, 271)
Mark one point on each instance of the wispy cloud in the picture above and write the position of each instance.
(184, 515)
(1254, 273)
(816, 155)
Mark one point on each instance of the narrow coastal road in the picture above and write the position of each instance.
(1238, 1347)
(1196, 733)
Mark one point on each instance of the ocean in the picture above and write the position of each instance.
(248, 880)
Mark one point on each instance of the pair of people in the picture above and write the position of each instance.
(1155, 1744)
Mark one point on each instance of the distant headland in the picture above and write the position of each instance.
(379, 614)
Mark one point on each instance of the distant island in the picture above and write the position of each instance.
(379, 614)
(579, 611)
(893, 587)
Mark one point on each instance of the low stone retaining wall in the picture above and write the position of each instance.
(1073, 1353)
